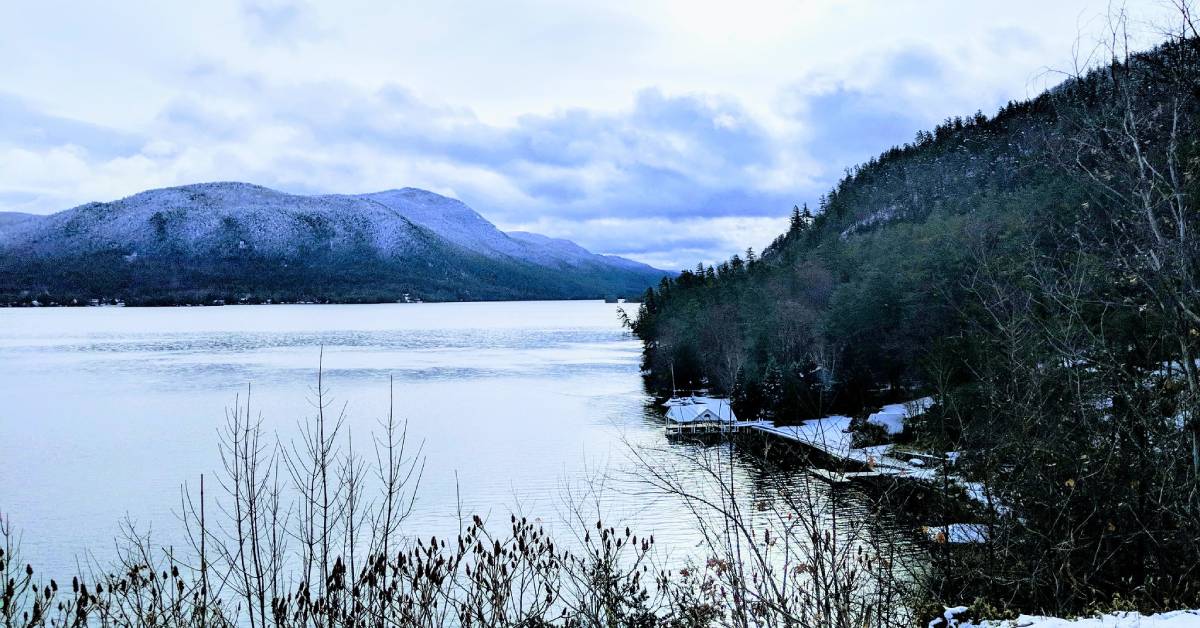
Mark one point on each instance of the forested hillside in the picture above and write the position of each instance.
(860, 288)
(1036, 272)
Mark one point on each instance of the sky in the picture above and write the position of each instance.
(668, 132)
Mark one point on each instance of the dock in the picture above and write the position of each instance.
(831, 440)
(701, 417)
(700, 429)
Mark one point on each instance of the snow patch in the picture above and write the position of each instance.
(1171, 619)
(892, 417)
(887, 214)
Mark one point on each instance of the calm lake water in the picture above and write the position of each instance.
(522, 407)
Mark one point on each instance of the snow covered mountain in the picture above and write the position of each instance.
(455, 221)
(208, 216)
(450, 218)
(557, 249)
(244, 241)
(566, 254)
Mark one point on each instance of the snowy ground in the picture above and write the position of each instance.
(1172, 619)
(892, 417)
(834, 436)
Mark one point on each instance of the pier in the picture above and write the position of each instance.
(829, 436)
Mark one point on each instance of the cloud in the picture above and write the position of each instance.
(22, 125)
(672, 132)
(848, 119)
(285, 22)
(688, 155)
(669, 243)
(847, 124)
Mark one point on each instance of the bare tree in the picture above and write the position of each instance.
(792, 559)
(1130, 136)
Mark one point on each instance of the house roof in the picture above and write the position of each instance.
(696, 409)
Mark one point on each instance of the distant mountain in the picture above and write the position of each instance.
(564, 250)
(202, 242)
(455, 221)
(567, 254)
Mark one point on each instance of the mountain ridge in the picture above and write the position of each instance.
(247, 241)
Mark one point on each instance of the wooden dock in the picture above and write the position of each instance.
(700, 429)
(828, 437)
(832, 458)
(842, 477)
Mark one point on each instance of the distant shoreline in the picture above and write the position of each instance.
(222, 303)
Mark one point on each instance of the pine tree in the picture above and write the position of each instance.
(772, 390)
(739, 396)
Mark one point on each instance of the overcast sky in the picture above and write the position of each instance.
(669, 132)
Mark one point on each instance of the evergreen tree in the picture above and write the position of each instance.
(771, 391)
(740, 397)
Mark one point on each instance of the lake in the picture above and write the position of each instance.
(521, 407)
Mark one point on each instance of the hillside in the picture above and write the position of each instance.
(237, 241)
(10, 220)
(863, 284)
(1035, 272)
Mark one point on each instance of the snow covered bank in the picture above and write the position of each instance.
(892, 417)
(1172, 619)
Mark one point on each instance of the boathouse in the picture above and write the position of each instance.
(699, 415)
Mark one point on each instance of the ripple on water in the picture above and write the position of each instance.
(527, 407)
